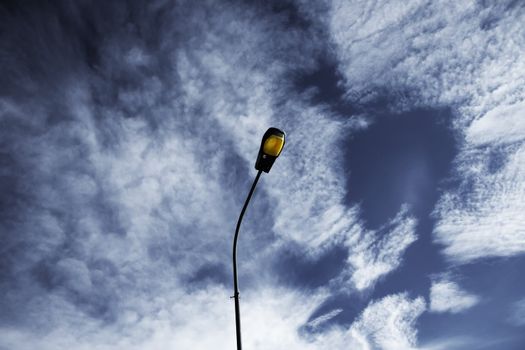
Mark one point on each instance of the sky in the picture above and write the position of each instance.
(393, 218)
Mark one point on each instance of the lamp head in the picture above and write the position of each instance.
(271, 146)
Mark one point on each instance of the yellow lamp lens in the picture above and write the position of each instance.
(273, 145)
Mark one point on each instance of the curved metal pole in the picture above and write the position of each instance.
(235, 282)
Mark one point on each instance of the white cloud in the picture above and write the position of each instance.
(386, 324)
(502, 125)
(447, 296)
(140, 185)
(461, 54)
(374, 256)
(389, 323)
(464, 55)
(484, 218)
(203, 319)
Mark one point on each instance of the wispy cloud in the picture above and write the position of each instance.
(389, 323)
(127, 145)
(128, 170)
(450, 53)
(202, 319)
(381, 252)
(458, 55)
(447, 296)
(502, 125)
(483, 218)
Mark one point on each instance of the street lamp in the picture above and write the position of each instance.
(271, 146)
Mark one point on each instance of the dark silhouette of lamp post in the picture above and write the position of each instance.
(271, 146)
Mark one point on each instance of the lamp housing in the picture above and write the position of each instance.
(272, 145)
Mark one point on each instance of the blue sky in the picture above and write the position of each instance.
(392, 220)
